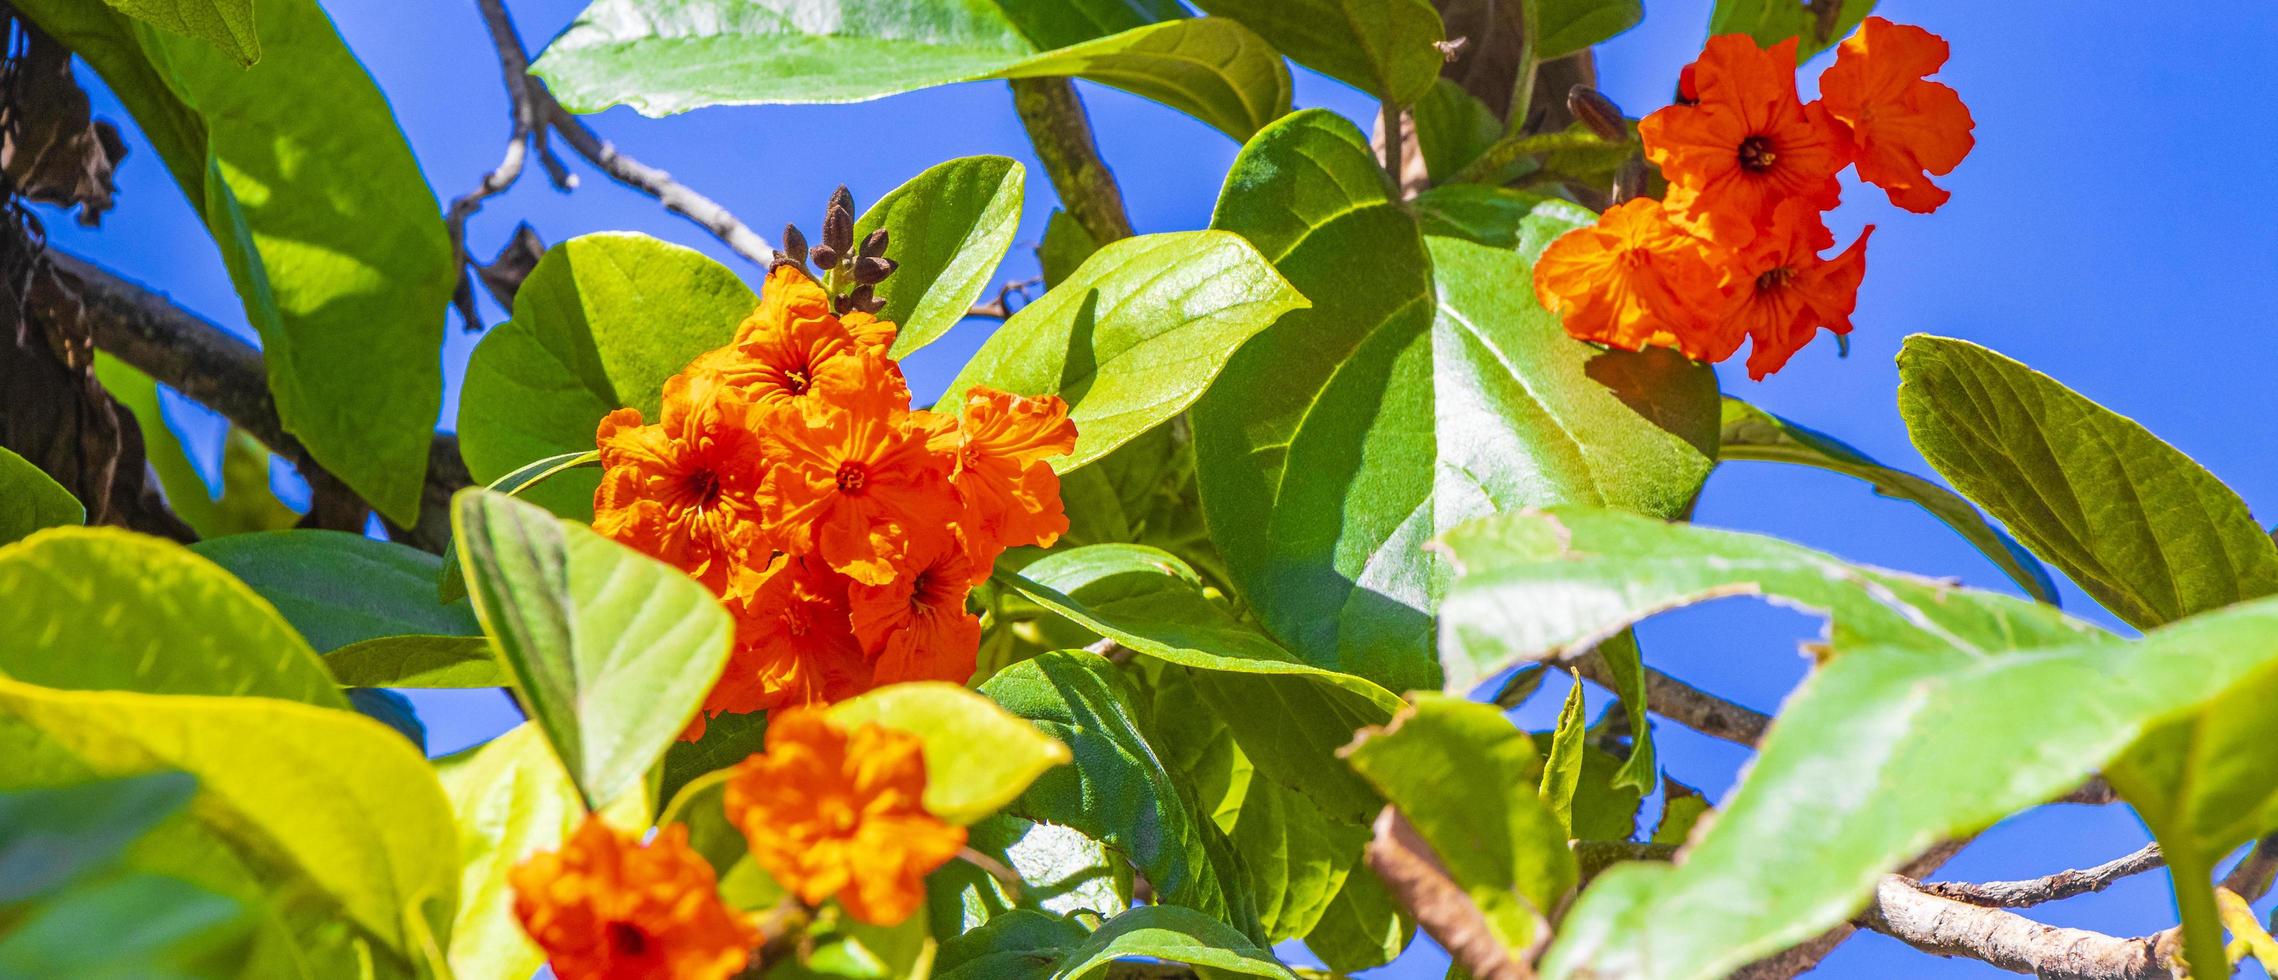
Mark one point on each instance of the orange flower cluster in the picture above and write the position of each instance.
(842, 528)
(830, 811)
(606, 907)
(1734, 251)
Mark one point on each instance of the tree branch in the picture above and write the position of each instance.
(2048, 888)
(1057, 124)
(188, 353)
(1944, 927)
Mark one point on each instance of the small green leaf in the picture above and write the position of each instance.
(1452, 129)
(348, 290)
(339, 588)
(1682, 808)
(1023, 944)
(977, 757)
(419, 662)
(512, 799)
(1135, 336)
(1545, 585)
(1179, 935)
(1562, 767)
(601, 323)
(1387, 48)
(1117, 791)
(1773, 21)
(101, 608)
(1750, 433)
(1362, 927)
(1464, 776)
(947, 228)
(226, 24)
(1567, 26)
(663, 58)
(49, 836)
(2141, 527)
(31, 500)
(611, 651)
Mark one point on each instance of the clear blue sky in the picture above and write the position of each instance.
(2105, 231)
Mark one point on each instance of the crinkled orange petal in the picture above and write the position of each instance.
(1747, 144)
(607, 907)
(1906, 127)
(1635, 280)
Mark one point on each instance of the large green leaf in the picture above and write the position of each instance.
(227, 24)
(51, 835)
(667, 57)
(611, 651)
(1545, 585)
(511, 798)
(328, 819)
(1150, 602)
(1134, 336)
(339, 588)
(324, 219)
(1383, 47)
(1347, 435)
(31, 500)
(245, 502)
(977, 757)
(1772, 21)
(1117, 791)
(1750, 433)
(1296, 856)
(601, 323)
(107, 609)
(1465, 777)
(2141, 527)
(1167, 932)
(1881, 753)
(1023, 944)
(947, 228)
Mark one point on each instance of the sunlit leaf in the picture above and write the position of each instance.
(947, 228)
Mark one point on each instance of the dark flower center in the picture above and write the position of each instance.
(798, 379)
(1757, 154)
(1773, 279)
(704, 486)
(851, 477)
(627, 940)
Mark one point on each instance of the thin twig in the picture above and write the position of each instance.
(2048, 888)
(1001, 308)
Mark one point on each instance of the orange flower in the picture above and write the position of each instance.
(1906, 127)
(917, 626)
(793, 642)
(1010, 494)
(605, 907)
(1783, 292)
(794, 348)
(1747, 145)
(1636, 279)
(683, 490)
(851, 482)
(831, 811)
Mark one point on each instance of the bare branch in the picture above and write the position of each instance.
(1944, 927)
(1688, 705)
(2049, 888)
(676, 197)
(1001, 307)
(1057, 124)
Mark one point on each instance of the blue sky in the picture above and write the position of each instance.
(2104, 231)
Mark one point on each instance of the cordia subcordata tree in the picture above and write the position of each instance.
(1180, 630)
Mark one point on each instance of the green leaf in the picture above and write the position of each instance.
(1682, 808)
(1167, 932)
(1549, 584)
(226, 24)
(1061, 870)
(1117, 791)
(948, 228)
(2142, 528)
(1567, 26)
(1135, 336)
(1517, 220)
(1150, 602)
(1772, 21)
(108, 609)
(1066, 245)
(31, 500)
(1452, 129)
(1464, 776)
(977, 757)
(601, 323)
(452, 586)
(419, 662)
(1383, 47)
(1882, 752)
(331, 816)
(1362, 928)
(245, 504)
(1562, 767)
(347, 290)
(339, 588)
(126, 926)
(49, 836)
(611, 651)
(663, 58)
(1023, 944)
(512, 798)
(1295, 856)
(1345, 436)
(1750, 433)
(727, 739)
